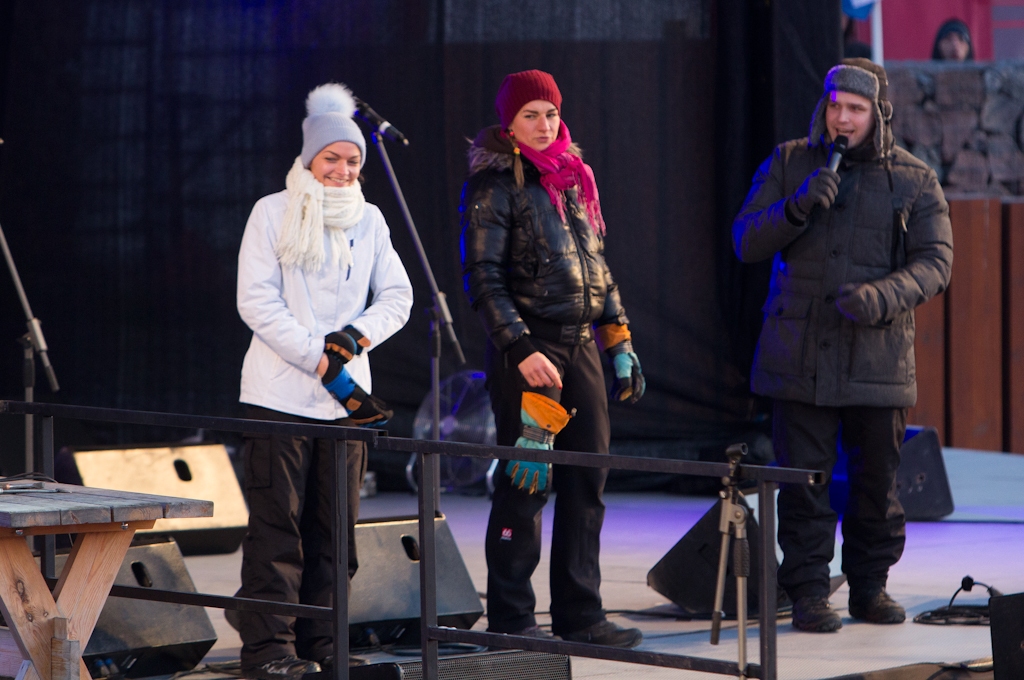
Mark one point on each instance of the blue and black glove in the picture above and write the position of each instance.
(346, 343)
(629, 383)
(363, 408)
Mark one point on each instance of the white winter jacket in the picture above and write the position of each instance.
(290, 311)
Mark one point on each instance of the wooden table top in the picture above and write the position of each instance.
(26, 504)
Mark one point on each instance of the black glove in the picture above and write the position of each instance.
(345, 343)
(861, 303)
(820, 188)
(372, 412)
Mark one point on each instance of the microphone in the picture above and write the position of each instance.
(836, 154)
(967, 583)
(375, 120)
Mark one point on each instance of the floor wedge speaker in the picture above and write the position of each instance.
(137, 638)
(201, 471)
(921, 481)
(687, 574)
(494, 665)
(385, 601)
(1006, 618)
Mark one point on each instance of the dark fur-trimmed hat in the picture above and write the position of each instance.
(861, 77)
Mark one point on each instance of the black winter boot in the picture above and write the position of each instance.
(875, 606)
(815, 615)
(608, 634)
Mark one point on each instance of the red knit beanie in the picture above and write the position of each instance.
(519, 89)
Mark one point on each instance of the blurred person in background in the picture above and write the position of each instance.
(851, 46)
(953, 42)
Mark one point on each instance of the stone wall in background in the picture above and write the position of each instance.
(965, 120)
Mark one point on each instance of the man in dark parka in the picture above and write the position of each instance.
(855, 251)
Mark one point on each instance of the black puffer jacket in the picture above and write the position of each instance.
(808, 351)
(520, 260)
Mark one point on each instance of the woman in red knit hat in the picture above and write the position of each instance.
(533, 261)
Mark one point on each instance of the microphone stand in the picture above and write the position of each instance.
(440, 316)
(33, 343)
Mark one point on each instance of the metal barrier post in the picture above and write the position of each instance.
(428, 566)
(339, 449)
(769, 599)
(48, 547)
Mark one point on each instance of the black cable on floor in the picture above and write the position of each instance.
(963, 615)
(960, 615)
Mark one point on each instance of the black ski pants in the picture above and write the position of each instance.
(513, 540)
(287, 551)
(874, 526)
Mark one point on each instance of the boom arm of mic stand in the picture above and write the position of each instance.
(444, 315)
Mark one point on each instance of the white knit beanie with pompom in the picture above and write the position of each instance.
(329, 110)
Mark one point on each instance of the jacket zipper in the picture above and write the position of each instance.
(584, 271)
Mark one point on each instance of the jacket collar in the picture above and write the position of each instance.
(493, 150)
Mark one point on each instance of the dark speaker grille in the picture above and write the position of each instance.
(496, 666)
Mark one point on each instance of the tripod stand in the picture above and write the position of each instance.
(733, 526)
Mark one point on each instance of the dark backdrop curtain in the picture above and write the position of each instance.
(139, 133)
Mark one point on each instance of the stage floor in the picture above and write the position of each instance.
(984, 538)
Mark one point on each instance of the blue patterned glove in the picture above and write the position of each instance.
(527, 475)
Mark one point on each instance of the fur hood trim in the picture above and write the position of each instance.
(492, 150)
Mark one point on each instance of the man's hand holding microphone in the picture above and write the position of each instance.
(820, 187)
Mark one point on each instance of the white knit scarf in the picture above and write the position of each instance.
(311, 207)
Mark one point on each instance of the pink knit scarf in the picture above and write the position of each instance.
(561, 170)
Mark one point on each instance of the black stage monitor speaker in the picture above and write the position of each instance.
(921, 481)
(201, 471)
(495, 665)
(385, 602)
(687, 574)
(138, 638)
(1006, 618)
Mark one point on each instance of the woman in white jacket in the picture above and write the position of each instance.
(311, 255)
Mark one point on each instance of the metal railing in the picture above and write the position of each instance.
(767, 479)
